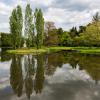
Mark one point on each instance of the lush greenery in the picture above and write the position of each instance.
(38, 33)
(29, 26)
(6, 40)
(88, 50)
(16, 24)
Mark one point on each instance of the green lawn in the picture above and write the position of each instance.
(88, 50)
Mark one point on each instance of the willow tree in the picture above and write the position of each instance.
(29, 27)
(16, 25)
(39, 24)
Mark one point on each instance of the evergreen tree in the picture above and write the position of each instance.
(29, 27)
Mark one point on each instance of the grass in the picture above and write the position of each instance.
(88, 50)
(26, 51)
(35, 51)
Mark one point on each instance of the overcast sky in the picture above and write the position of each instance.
(65, 13)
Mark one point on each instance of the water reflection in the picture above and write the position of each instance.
(16, 77)
(39, 78)
(29, 70)
(29, 74)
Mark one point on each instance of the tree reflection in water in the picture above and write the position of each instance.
(39, 78)
(16, 77)
(29, 69)
(36, 67)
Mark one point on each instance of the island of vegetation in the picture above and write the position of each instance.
(32, 34)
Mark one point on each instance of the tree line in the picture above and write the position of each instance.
(38, 33)
(33, 23)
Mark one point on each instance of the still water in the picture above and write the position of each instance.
(54, 76)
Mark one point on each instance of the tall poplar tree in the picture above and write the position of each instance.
(16, 25)
(29, 26)
(13, 27)
(19, 24)
(39, 24)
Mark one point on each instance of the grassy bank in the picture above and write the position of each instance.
(35, 51)
(88, 50)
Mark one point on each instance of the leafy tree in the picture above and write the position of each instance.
(49, 26)
(29, 26)
(20, 24)
(66, 40)
(6, 40)
(52, 38)
(73, 32)
(96, 21)
(81, 29)
(13, 28)
(16, 23)
(60, 34)
(90, 37)
(39, 24)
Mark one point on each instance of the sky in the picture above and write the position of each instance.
(64, 13)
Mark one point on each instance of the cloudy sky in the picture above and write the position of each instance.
(65, 13)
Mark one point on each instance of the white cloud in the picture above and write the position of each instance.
(65, 14)
(4, 25)
(62, 16)
(42, 2)
(4, 9)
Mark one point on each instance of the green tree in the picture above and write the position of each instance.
(13, 27)
(29, 26)
(16, 24)
(66, 40)
(6, 40)
(60, 34)
(39, 24)
(52, 38)
(96, 21)
(19, 24)
(73, 32)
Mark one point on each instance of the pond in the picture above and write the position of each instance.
(50, 76)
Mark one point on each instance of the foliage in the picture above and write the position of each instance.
(29, 26)
(6, 40)
(73, 32)
(16, 24)
(39, 28)
(52, 38)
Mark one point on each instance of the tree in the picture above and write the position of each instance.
(49, 26)
(39, 24)
(6, 40)
(81, 29)
(66, 40)
(16, 24)
(13, 28)
(60, 34)
(52, 38)
(96, 21)
(29, 26)
(20, 24)
(73, 32)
